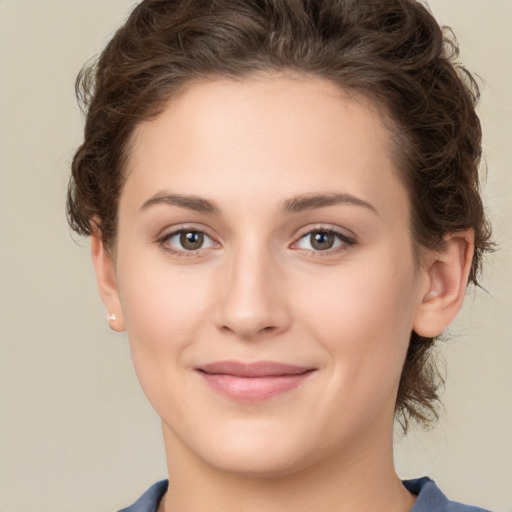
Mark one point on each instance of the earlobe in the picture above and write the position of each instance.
(447, 274)
(107, 283)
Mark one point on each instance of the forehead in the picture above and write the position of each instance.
(281, 134)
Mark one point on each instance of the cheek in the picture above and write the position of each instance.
(162, 306)
(163, 309)
(364, 299)
(364, 320)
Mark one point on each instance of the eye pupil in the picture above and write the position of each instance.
(191, 240)
(322, 240)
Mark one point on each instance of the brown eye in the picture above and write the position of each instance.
(322, 240)
(191, 240)
(186, 241)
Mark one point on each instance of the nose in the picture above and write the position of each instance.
(253, 302)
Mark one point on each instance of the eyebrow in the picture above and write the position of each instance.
(190, 202)
(313, 201)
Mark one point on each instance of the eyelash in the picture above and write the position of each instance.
(163, 242)
(344, 242)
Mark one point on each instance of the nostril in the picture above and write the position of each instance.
(249, 333)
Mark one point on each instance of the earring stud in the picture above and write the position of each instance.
(112, 317)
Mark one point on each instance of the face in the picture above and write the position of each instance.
(264, 273)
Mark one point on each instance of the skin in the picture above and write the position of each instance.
(258, 290)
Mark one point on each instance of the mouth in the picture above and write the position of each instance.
(253, 382)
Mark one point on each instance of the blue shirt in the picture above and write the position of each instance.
(430, 498)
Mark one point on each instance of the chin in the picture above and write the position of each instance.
(258, 463)
(257, 452)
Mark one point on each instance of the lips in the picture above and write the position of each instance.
(253, 382)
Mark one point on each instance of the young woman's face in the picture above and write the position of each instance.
(265, 273)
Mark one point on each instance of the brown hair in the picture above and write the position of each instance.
(390, 51)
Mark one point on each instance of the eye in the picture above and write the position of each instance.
(187, 240)
(323, 240)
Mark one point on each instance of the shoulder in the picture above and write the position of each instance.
(148, 502)
(431, 499)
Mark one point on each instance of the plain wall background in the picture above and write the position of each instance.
(76, 433)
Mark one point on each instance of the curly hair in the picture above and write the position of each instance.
(392, 52)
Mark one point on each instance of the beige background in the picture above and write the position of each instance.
(76, 432)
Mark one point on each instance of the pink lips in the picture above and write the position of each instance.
(253, 382)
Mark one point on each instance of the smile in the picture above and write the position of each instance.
(253, 382)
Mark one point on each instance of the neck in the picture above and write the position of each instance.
(360, 479)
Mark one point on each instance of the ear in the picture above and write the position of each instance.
(447, 273)
(107, 282)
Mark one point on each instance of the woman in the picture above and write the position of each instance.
(284, 210)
